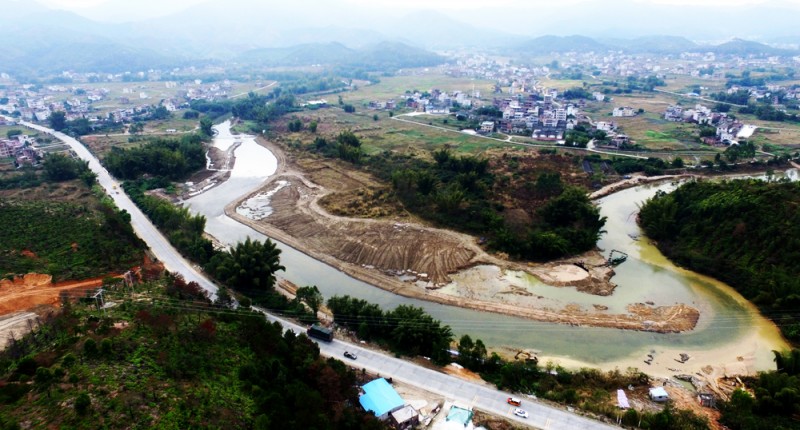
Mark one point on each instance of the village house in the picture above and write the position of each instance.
(624, 111)
(605, 126)
(727, 131)
(674, 114)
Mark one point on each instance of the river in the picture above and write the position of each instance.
(730, 328)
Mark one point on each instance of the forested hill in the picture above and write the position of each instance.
(743, 232)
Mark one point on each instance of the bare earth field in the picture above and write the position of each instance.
(413, 260)
(25, 298)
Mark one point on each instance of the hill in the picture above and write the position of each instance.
(549, 44)
(747, 47)
(653, 44)
(381, 56)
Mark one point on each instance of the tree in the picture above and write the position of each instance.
(677, 163)
(136, 128)
(59, 168)
(224, 299)
(549, 184)
(206, 126)
(160, 113)
(312, 127)
(43, 379)
(311, 297)
(295, 125)
(58, 120)
(349, 108)
(250, 265)
(348, 138)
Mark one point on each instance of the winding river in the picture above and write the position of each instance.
(730, 329)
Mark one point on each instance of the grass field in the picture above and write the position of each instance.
(393, 87)
(5, 129)
(175, 123)
(561, 84)
(682, 83)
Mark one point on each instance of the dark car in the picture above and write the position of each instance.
(350, 355)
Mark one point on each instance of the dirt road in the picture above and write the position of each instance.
(33, 290)
(413, 260)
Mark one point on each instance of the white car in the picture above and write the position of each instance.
(522, 413)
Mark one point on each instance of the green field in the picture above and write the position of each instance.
(5, 129)
(393, 87)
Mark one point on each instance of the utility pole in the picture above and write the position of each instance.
(98, 300)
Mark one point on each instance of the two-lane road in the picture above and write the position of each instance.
(158, 244)
(480, 396)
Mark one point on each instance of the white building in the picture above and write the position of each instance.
(659, 394)
(624, 111)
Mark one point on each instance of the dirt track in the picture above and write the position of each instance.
(413, 260)
(35, 290)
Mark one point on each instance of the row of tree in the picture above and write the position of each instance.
(406, 330)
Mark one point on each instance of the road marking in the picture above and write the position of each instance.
(474, 400)
(547, 424)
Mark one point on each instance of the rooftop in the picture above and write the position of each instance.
(380, 398)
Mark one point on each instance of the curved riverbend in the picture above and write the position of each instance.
(730, 331)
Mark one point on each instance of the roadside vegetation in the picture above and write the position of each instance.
(410, 331)
(81, 235)
(170, 358)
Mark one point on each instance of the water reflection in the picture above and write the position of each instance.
(645, 276)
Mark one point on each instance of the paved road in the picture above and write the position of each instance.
(252, 91)
(696, 97)
(510, 140)
(158, 244)
(479, 396)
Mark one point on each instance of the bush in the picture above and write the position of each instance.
(27, 366)
(82, 403)
(68, 360)
(106, 347)
(90, 347)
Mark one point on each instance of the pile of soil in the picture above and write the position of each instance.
(414, 260)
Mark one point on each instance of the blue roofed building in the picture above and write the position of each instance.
(380, 398)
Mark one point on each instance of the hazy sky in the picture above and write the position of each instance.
(160, 7)
(731, 18)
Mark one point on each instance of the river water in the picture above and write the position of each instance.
(727, 319)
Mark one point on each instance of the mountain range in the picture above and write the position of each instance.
(35, 38)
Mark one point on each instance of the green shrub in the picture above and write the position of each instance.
(27, 366)
(82, 403)
(90, 347)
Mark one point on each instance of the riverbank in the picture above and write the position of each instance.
(416, 261)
